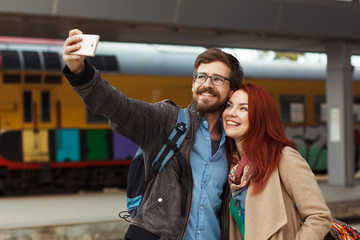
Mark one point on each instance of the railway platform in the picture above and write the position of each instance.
(94, 216)
(344, 202)
(81, 216)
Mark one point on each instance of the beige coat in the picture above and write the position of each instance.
(270, 214)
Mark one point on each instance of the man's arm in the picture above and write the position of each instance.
(139, 121)
(75, 63)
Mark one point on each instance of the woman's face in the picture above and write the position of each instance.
(235, 115)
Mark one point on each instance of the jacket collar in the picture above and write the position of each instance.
(194, 113)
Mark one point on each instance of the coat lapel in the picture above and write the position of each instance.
(264, 219)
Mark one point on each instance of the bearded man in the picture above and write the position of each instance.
(216, 75)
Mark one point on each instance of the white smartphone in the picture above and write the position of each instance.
(88, 45)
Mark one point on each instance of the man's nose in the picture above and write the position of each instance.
(208, 82)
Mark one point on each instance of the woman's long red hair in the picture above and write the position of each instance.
(265, 138)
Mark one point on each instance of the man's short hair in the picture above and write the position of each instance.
(216, 54)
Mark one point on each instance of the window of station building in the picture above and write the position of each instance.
(45, 106)
(27, 103)
(320, 109)
(292, 108)
(52, 61)
(31, 60)
(10, 60)
(94, 118)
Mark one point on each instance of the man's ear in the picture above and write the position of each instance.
(231, 93)
(193, 86)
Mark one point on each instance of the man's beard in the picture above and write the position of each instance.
(204, 106)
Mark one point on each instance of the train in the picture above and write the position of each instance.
(51, 143)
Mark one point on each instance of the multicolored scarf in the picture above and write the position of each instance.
(239, 173)
(239, 180)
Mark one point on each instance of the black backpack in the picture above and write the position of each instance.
(136, 184)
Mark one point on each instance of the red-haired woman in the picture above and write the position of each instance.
(274, 194)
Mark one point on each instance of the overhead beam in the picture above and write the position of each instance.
(261, 24)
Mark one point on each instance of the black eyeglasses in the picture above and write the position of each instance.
(217, 80)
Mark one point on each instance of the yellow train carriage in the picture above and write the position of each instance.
(49, 138)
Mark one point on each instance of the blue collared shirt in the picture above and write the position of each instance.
(210, 174)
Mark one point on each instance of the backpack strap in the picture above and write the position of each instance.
(173, 142)
(170, 148)
(136, 189)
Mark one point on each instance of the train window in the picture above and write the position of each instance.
(53, 79)
(10, 60)
(94, 118)
(356, 109)
(32, 60)
(292, 108)
(104, 63)
(32, 79)
(97, 62)
(45, 106)
(320, 109)
(11, 78)
(111, 63)
(27, 97)
(52, 61)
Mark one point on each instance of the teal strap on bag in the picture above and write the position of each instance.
(136, 183)
(173, 143)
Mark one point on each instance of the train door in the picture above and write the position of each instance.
(97, 144)
(67, 145)
(38, 120)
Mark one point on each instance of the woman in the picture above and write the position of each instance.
(274, 194)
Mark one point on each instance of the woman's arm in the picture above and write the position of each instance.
(301, 185)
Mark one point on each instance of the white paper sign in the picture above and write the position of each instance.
(335, 125)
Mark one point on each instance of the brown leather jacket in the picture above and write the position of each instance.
(148, 125)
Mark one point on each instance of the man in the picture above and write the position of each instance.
(216, 74)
